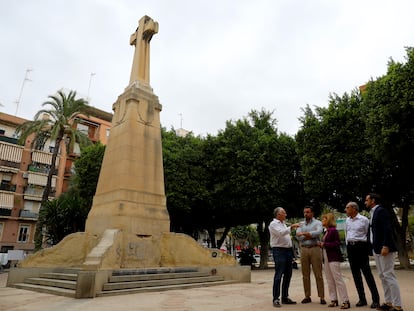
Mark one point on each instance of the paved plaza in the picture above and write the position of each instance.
(241, 297)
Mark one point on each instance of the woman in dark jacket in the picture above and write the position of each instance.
(332, 257)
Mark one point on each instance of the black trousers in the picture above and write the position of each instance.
(359, 262)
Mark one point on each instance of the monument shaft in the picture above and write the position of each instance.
(130, 193)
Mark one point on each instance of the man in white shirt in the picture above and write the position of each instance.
(281, 244)
(358, 250)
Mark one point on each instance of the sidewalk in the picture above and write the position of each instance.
(256, 295)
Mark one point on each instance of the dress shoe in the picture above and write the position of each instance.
(375, 305)
(334, 303)
(276, 303)
(361, 303)
(323, 301)
(288, 301)
(385, 307)
(306, 300)
(345, 305)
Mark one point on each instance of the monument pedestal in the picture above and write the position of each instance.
(130, 192)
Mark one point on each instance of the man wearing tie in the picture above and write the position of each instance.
(384, 251)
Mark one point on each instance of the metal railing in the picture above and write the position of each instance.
(28, 214)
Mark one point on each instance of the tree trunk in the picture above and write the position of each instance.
(212, 235)
(223, 237)
(401, 241)
(46, 192)
(263, 231)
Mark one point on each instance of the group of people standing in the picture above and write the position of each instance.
(320, 252)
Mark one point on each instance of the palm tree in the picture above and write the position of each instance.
(57, 126)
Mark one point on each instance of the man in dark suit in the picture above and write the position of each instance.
(384, 251)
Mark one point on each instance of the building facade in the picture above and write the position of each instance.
(23, 175)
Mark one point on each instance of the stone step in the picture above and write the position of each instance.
(60, 276)
(161, 282)
(46, 289)
(126, 281)
(157, 270)
(52, 282)
(156, 276)
(160, 288)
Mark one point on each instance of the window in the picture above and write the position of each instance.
(1, 230)
(24, 232)
(108, 131)
(5, 182)
(82, 128)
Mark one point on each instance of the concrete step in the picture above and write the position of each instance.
(161, 282)
(52, 282)
(157, 270)
(160, 288)
(46, 289)
(125, 281)
(156, 276)
(60, 276)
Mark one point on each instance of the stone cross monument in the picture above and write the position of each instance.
(141, 39)
(130, 192)
(128, 226)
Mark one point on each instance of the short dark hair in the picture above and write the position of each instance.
(310, 207)
(375, 196)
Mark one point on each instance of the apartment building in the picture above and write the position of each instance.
(23, 175)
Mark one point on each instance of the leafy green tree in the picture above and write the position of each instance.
(67, 214)
(360, 144)
(85, 178)
(332, 149)
(185, 181)
(58, 126)
(252, 169)
(389, 110)
(60, 217)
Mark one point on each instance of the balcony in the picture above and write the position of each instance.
(9, 140)
(10, 152)
(10, 164)
(5, 212)
(38, 169)
(38, 192)
(28, 214)
(8, 187)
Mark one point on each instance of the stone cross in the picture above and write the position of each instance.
(141, 38)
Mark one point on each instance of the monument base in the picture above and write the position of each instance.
(117, 250)
(95, 258)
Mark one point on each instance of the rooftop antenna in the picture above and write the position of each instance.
(181, 120)
(89, 87)
(17, 102)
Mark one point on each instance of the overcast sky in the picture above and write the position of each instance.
(211, 61)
